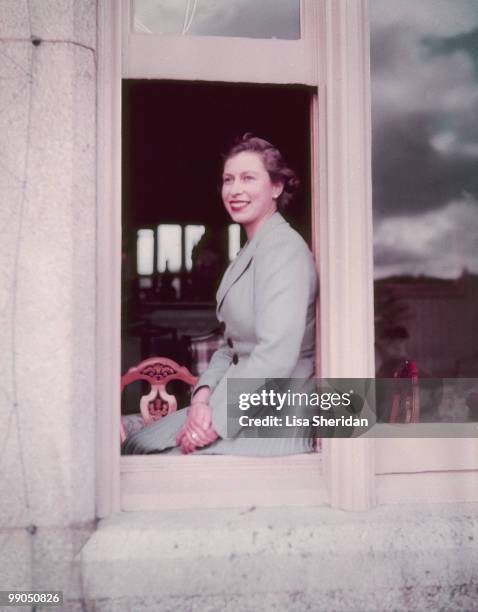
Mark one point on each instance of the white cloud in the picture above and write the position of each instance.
(407, 76)
(448, 143)
(428, 17)
(426, 82)
(444, 142)
(436, 243)
(424, 104)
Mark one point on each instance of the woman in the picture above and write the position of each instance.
(266, 300)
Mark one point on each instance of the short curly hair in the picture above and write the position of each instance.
(274, 163)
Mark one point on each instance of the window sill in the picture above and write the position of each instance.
(160, 481)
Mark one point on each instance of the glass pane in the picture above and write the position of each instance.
(169, 248)
(234, 240)
(243, 18)
(424, 58)
(192, 235)
(145, 252)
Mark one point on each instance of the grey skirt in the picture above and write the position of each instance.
(160, 437)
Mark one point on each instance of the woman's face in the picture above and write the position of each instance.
(248, 193)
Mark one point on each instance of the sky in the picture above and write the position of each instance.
(247, 18)
(424, 59)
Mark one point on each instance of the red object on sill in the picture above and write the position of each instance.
(406, 398)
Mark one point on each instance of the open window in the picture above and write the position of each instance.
(177, 237)
(425, 224)
(213, 78)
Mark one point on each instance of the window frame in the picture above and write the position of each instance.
(268, 54)
(341, 146)
(341, 140)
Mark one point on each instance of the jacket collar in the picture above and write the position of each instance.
(243, 260)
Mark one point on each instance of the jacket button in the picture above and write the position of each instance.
(235, 359)
(230, 343)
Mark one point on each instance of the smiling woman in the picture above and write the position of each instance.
(256, 182)
(248, 193)
(266, 301)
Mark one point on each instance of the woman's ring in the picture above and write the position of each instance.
(194, 435)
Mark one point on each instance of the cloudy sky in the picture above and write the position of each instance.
(247, 18)
(425, 136)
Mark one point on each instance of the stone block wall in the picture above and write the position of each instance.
(47, 290)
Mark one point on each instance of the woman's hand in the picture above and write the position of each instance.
(198, 431)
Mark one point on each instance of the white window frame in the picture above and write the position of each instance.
(193, 58)
(345, 475)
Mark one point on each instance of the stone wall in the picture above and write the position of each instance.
(47, 290)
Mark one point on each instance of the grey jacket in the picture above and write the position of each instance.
(266, 300)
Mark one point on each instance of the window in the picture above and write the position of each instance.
(241, 18)
(261, 42)
(425, 151)
(425, 228)
(283, 62)
(192, 236)
(173, 133)
(145, 252)
(171, 240)
(234, 240)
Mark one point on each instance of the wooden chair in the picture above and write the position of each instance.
(158, 372)
(406, 396)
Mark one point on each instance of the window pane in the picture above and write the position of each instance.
(169, 248)
(424, 58)
(234, 240)
(193, 234)
(243, 18)
(145, 251)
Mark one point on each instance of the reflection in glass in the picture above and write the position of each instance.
(424, 60)
(169, 248)
(241, 18)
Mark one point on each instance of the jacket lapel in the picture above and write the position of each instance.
(243, 260)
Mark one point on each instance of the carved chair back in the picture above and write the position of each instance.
(158, 372)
